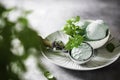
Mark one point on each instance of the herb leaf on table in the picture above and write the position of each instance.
(110, 47)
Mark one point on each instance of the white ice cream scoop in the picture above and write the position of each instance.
(96, 30)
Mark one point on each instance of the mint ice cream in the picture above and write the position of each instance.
(81, 53)
(96, 30)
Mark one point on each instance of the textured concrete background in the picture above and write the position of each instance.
(50, 15)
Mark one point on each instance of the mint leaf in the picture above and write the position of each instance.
(110, 47)
(75, 32)
(77, 18)
(74, 42)
(73, 20)
(49, 76)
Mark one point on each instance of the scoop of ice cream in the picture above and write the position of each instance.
(83, 24)
(96, 30)
(83, 52)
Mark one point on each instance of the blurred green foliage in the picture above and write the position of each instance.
(18, 32)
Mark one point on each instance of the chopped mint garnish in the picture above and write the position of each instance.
(110, 47)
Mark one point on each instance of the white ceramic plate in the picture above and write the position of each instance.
(101, 57)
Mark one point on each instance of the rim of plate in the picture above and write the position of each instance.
(93, 68)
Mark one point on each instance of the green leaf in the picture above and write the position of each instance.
(74, 42)
(77, 18)
(110, 47)
(2, 9)
(49, 76)
(75, 32)
(23, 21)
(73, 20)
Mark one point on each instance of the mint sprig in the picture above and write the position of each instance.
(75, 32)
(74, 42)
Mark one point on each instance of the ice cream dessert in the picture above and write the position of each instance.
(82, 53)
(96, 30)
